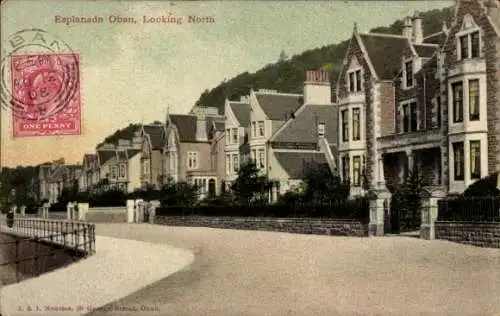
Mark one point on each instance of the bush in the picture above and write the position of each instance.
(479, 202)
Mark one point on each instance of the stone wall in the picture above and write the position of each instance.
(471, 233)
(107, 215)
(287, 225)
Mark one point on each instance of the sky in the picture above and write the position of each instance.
(131, 73)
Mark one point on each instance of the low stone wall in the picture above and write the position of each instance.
(48, 258)
(107, 214)
(471, 233)
(288, 225)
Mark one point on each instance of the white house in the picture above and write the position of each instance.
(236, 129)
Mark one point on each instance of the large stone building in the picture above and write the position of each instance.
(429, 104)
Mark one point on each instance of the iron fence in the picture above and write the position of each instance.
(470, 209)
(28, 239)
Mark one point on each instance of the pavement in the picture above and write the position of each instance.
(246, 273)
(119, 268)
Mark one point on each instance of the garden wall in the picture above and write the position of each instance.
(482, 234)
(289, 225)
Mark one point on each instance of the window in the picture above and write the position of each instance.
(475, 159)
(356, 127)
(355, 81)
(122, 171)
(254, 129)
(261, 128)
(113, 172)
(192, 160)
(235, 163)
(345, 125)
(345, 168)
(261, 159)
(253, 155)
(358, 80)
(410, 117)
(228, 164)
(458, 160)
(474, 44)
(228, 135)
(409, 73)
(469, 45)
(474, 100)
(438, 110)
(464, 47)
(356, 171)
(458, 106)
(352, 86)
(234, 135)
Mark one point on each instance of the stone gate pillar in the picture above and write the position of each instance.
(379, 202)
(69, 210)
(83, 209)
(23, 210)
(139, 206)
(130, 211)
(429, 211)
(153, 205)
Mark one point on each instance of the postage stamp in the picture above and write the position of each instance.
(45, 94)
(40, 85)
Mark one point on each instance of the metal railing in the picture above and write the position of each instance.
(472, 209)
(78, 237)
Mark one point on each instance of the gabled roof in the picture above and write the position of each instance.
(241, 111)
(295, 163)
(186, 126)
(385, 52)
(303, 128)
(278, 107)
(105, 155)
(155, 132)
(425, 50)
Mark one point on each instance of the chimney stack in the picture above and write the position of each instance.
(418, 34)
(201, 125)
(317, 88)
(407, 28)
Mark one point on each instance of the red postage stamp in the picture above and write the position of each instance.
(45, 95)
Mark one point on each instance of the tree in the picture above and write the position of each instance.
(250, 186)
(323, 187)
(178, 193)
(283, 56)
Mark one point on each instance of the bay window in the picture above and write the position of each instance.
(345, 125)
(458, 102)
(356, 171)
(474, 100)
(458, 161)
(356, 126)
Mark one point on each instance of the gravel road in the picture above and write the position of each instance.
(263, 273)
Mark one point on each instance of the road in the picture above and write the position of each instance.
(264, 273)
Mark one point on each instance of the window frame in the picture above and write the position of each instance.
(472, 47)
(192, 162)
(234, 135)
(355, 80)
(345, 124)
(356, 124)
(122, 168)
(114, 172)
(475, 165)
(474, 116)
(235, 163)
(345, 168)
(458, 147)
(261, 158)
(356, 171)
(457, 103)
(409, 73)
(262, 128)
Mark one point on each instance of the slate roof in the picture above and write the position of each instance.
(425, 50)
(242, 112)
(384, 52)
(219, 126)
(278, 107)
(303, 128)
(436, 38)
(186, 126)
(295, 163)
(155, 132)
(132, 152)
(105, 156)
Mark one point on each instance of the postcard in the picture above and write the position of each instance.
(249, 157)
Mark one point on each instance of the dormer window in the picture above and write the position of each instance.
(355, 81)
(469, 45)
(409, 74)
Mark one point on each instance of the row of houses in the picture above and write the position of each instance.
(400, 101)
